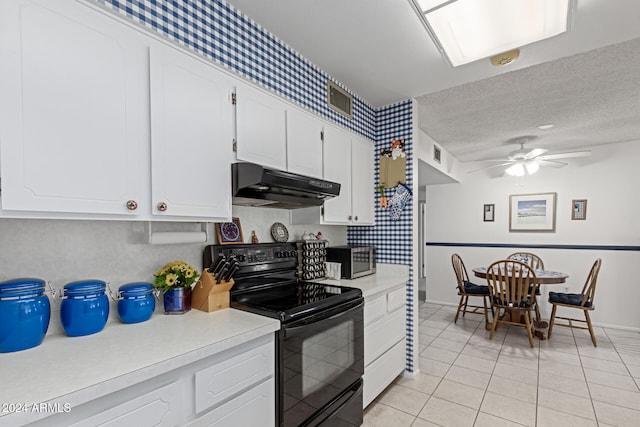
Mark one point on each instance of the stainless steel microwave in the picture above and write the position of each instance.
(356, 261)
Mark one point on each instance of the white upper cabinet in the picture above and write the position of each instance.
(362, 182)
(191, 136)
(304, 143)
(73, 121)
(337, 168)
(348, 160)
(261, 128)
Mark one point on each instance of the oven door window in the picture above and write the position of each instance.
(321, 359)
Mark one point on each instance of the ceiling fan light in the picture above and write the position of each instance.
(532, 166)
(516, 169)
(468, 30)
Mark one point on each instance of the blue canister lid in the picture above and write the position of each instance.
(21, 287)
(135, 289)
(82, 287)
(21, 282)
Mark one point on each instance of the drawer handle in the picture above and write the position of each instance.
(132, 205)
(162, 206)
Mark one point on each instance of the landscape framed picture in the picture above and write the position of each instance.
(532, 212)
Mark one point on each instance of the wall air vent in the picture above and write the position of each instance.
(338, 99)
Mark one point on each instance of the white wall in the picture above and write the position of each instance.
(608, 180)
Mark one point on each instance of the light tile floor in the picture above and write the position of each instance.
(467, 380)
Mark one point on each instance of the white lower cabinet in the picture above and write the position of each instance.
(256, 407)
(384, 341)
(161, 407)
(233, 388)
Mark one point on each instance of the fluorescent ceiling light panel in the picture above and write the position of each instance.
(468, 30)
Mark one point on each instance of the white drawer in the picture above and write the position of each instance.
(383, 371)
(256, 407)
(375, 309)
(233, 375)
(383, 334)
(160, 407)
(396, 299)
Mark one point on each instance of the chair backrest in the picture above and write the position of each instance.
(511, 284)
(589, 288)
(460, 270)
(532, 260)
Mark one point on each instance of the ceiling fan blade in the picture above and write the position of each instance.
(552, 163)
(490, 167)
(534, 153)
(565, 155)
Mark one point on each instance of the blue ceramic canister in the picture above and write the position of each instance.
(136, 302)
(85, 307)
(25, 312)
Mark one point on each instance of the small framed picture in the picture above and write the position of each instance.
(579, 209)
(436, 154)
(229, 232)
(489, 213)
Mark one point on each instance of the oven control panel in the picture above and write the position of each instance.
(254, 257)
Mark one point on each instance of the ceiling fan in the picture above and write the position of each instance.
(526, 161)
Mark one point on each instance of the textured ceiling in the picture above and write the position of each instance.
(592, 98)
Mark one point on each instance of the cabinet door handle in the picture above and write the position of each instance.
(350, 217)
(356, 218)
(162, 206)
(132, 205)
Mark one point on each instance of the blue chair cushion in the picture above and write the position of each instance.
(472, 288)
(570, 299)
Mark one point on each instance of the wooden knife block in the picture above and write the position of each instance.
(207, 295)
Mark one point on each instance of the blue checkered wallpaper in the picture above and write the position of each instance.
(217, 31)
(393, 238)
(225, 35)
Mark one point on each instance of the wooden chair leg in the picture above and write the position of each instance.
(537, 310)
(486, 314)
(593, 335)
(466, 301)
(553, 318)
(493, 327)
(529, 326)
(458, 311)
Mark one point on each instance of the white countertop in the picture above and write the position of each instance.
(387, 277)
(80, 369)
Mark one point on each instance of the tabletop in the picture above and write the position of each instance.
(544, 277)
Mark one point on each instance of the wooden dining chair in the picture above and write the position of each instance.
(582, 301)
(467, 289)
(512, 287)
(532, 260)
(535, 262)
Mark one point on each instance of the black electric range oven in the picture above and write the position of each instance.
(320, 345)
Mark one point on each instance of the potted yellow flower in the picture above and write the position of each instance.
(175, 280)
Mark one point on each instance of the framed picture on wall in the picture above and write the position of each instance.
(532, 212)
(579, 209)
(229, 232)
(489, 213)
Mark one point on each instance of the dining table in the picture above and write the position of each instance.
(543, 277)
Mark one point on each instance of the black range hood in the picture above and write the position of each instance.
(255, 185)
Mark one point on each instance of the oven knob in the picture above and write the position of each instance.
(241, 257)
(291, 254)
(279, 254)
